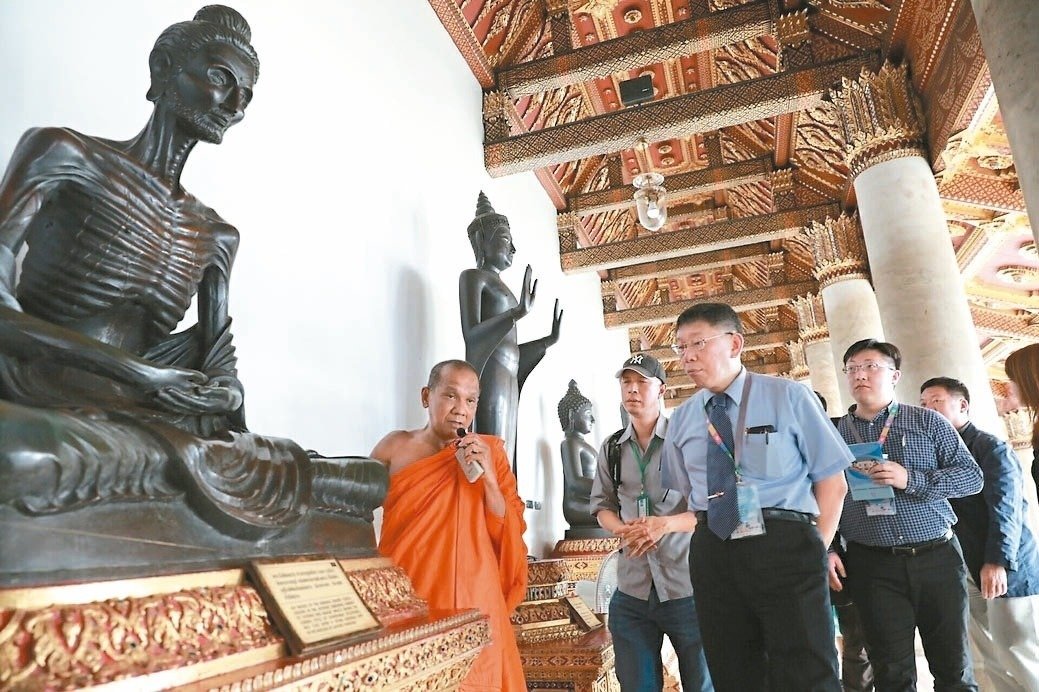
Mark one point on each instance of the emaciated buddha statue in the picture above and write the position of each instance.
(109, 422)
(489, 313)
(579, 461)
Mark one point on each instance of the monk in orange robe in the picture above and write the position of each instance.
(460, 542)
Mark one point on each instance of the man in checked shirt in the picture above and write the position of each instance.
(905, 565)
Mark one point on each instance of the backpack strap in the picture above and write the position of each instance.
(613, 457)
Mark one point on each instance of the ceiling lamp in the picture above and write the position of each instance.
(651, 200)
(650, 195)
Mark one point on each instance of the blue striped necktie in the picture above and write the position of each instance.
(723, 514)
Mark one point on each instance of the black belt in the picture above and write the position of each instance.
(910, 549)
(773, 513)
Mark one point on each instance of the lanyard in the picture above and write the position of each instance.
(654, 444)
(741, 420)
(892, 412)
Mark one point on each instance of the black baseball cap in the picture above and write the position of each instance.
(645, 365)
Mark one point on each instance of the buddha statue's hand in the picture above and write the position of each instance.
(557, 321)
(221, 394)
(526, 296)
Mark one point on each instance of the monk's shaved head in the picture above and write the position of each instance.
(438, 371)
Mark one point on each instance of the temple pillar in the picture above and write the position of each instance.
(1009, 31)
(923, 305)
(850, 304)
(798, 363)
(818, 354)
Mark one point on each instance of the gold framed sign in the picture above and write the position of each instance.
(582, 613)
(311, 602)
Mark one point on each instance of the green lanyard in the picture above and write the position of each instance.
(643, 506)
(654, 444)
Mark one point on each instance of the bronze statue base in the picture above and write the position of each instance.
(210, 630)
(136, 539)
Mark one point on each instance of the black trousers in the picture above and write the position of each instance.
(764, 608)
(898, 594)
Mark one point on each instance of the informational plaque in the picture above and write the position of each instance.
(312, 602)
(582, 613)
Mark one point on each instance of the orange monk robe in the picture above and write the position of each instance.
(459, 555)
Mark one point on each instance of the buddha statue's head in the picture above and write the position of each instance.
(203, 72)
(491, 237)
(575, 411)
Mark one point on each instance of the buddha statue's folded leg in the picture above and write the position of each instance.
(53, 460)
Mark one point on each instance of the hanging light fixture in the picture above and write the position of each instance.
(650, 195)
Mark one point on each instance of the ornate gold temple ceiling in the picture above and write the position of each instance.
(750, 147)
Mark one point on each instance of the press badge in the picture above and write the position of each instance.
(880, 508)
(642, 504)
(752, 523)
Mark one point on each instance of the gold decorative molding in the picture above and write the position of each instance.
(1019, 428)
(387, 591)
(839, 249)
(881, 117)
(678, 117)
(586, 546)
(566, 225)
(90, 644)
(751, 299)
(541, 572)
(715, 236)
(609, 295)
(434, 656)
(496, 123)
(782, 181)
(792, 28)
(980, 244)
(1017, 274)
(811, 318)
(798, 361)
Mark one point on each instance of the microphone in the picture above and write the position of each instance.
(471, 469)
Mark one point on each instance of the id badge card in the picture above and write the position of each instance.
(642, 505)
(752, 523)
(880, 508)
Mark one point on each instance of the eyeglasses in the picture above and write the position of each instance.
(697, 345)
(868, 368)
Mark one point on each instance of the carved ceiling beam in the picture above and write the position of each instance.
(692, 264)
(661, 246)
(675, 118)
(996, 323)
(694, 182)
(639, 49)
(751, 342)
(751, 299)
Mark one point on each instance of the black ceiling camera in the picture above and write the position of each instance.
(637, 91)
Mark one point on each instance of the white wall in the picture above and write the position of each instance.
(352, 180)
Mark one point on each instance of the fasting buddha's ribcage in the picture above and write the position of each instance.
(98, 245)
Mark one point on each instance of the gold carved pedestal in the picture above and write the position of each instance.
(557, 652)
(585, 556)
(210, 630)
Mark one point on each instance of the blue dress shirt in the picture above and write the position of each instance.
(783, 464)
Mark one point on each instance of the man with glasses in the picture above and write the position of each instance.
(905, 568)
(998, 547)
(761, 466)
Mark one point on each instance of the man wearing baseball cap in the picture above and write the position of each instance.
(654, 595)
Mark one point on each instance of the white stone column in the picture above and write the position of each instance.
(818, 355)
(850, 304)
(1009, 31)
(923, 305)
